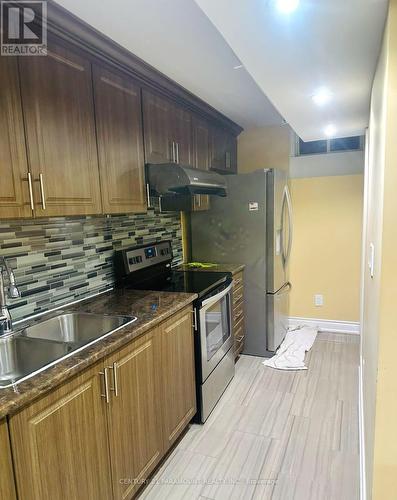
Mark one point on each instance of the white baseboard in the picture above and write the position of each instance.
(327, 325)
(363, 485)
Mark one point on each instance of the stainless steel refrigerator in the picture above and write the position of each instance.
(253, 226)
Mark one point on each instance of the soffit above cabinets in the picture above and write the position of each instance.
(178, 39)
(323, 43)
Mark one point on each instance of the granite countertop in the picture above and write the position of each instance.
(225, 268)
(149, 307)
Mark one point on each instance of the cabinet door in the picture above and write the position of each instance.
(182, 135)
(178, 375)
(14, 193)
(59, 114)
(7, 486)
(231, 154)
(201, 143)
(120, 142)
(223, 151)
(134, 414)
(60, 443)
(158, 128)
(201, 158)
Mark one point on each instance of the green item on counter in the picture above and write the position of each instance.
(200, 265)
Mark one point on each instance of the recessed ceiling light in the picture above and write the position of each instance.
(322, 96)
(287, 6)
(330, 130)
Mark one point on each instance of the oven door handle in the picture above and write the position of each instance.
(215, 298)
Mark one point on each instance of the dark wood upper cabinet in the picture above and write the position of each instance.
(14, 190)
(76, 128)
(201, 158)
(167, 131)
(120, 142)
(182, 135)
(223, 150)
(158, 128)
(58, 106)
(201, 143)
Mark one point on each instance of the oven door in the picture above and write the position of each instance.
(216, 333)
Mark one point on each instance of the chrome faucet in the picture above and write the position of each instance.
(12, 292)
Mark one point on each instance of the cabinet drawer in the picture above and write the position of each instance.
(238, 347)
(238, 295)
(239, 331)
(238, 280)
(238, 312)
(239, 337)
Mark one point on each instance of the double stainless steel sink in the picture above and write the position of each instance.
(56, 336)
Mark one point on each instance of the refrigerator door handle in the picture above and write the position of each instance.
(280, 233)
(290, 223)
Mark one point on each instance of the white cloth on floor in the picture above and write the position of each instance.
(291, 353)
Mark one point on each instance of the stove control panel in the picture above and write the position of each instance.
(145, 256)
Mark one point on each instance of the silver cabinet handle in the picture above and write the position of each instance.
(106, 385)
(173, 152)
(195, 319)
(227, 159)
(42, 190)
(115, 387)
(148, 195)
(30, 184)
(177, 152)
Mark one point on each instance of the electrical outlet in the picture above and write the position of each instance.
(318, 300)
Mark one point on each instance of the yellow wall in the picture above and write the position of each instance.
(326, 250)
(379, 343)
(264, 147)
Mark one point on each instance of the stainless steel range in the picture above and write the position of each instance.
(148, 267)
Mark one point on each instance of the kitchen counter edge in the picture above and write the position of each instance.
(151, 309)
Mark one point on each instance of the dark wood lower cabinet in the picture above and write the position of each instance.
(135, 434)
(95, 440)
(7, 486)
(60, 444)
(178, 392)
(238, 313)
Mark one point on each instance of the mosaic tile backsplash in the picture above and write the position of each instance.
(58, 260)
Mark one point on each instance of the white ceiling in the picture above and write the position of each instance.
(332, 43)
(178, 39)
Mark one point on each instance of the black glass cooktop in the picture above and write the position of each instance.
(182, 281)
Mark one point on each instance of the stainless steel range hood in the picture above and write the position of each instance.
(175, 179)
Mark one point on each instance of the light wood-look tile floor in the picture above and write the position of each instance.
(275, 434)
